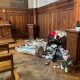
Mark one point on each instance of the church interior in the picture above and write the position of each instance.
(39, 40)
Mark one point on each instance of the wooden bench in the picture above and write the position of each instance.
(4, 45)
(6, 64)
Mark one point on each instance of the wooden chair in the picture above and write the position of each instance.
(6, 64)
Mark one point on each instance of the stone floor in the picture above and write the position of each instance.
(33, 68)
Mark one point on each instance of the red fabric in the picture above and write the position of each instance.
(52, 34)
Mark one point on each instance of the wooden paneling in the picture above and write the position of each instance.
(77, 10)
(58, 15)
(19, 19)
(73, 38)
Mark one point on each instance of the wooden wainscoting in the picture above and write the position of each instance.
(19, 19)
(58, 15)
(77, 10)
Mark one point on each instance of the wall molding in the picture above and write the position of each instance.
(65, 4)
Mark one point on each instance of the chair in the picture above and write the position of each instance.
(6, 64)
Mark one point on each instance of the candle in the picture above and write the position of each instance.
(3, 10)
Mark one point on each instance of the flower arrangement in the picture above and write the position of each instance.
(78, 26)
(66, 64)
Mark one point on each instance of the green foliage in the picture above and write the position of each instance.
(65, 64)
(78, 24)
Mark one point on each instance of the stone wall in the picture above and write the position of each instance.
(16, 4)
